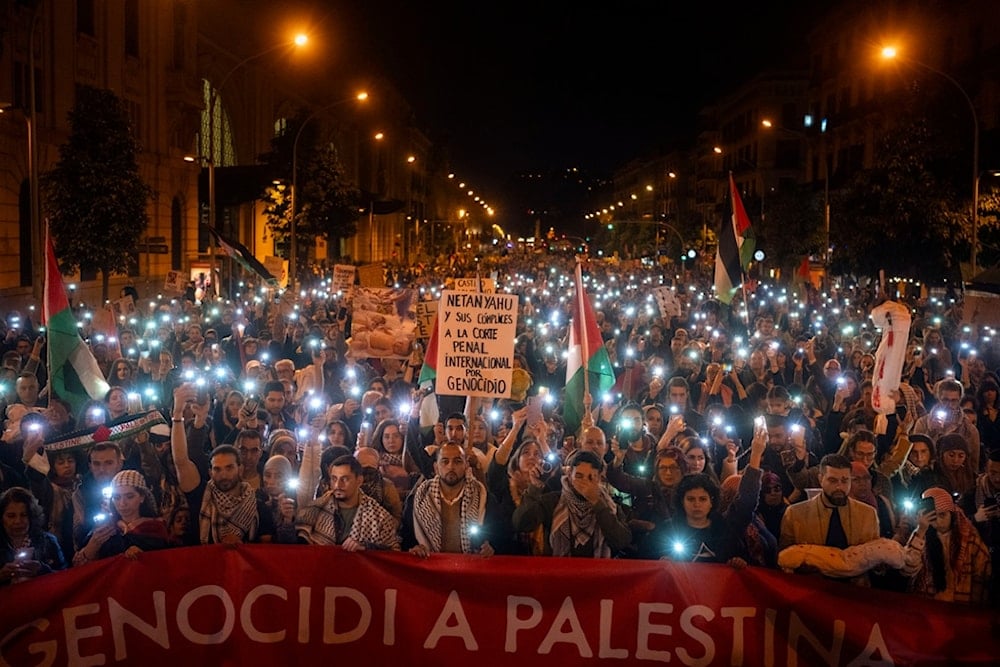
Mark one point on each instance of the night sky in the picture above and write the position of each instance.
(513, 86)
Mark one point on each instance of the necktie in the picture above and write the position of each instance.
(835, 535)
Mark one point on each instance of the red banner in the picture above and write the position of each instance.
(271, 604)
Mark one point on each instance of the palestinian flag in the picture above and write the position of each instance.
(588, 367)
(736, 247)
(74, 375)
(429, 411)
(242, 256)
(428, 371)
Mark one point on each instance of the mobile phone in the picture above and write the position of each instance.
(534, 410)
(990, 501)
(342, 313)
(787, 457)
(926, 505)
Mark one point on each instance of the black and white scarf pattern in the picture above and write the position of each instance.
(427, 512)
(320, 523)
(228, 514)
(574, 523)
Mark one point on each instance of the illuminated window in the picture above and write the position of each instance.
(222, 152)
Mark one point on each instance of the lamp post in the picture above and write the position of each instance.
(292, 225)
(213, 98)
(891, 53)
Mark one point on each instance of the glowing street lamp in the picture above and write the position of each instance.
(891, 53)
(293, 241)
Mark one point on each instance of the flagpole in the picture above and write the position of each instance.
(587, 419)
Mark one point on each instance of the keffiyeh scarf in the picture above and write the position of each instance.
(574, 523)
(321, 523)
(427, 512)
(228, 514)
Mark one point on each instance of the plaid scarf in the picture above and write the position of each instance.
(427, 512)
(574, 523)
(227, 514)
(969, 562)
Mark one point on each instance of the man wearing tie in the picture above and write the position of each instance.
(831, 518)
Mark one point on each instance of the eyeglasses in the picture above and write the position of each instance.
(669, 468)
(772, 489)
(968, 411)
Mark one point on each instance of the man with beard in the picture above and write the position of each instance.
(446, 513)
(345, 515)
(947, 417)
(831, 518)
(229, 511)
(104, 461)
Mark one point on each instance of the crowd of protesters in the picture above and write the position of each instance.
(732, 435)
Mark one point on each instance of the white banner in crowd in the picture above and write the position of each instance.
(278, 268)
(475, 343)
(343, 278)
(383, 322)
(666, 299)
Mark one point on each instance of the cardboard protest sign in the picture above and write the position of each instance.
(174, 282)
(425, 311)
(343, 278)
(475, 355)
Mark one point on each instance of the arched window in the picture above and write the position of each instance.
(215, 128)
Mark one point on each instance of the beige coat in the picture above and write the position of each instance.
(807, 522)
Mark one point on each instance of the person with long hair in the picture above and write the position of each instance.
(988, 417)
(387, 440)
(28, 550)
(946, 558)
(122, 374)
(132, 525)
(953, 465)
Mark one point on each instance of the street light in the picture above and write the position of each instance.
(891, 53)
(292, 243)
(299, 40)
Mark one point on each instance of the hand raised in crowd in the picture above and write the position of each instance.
(798, 440)
(184, 394)
(675, 425)
(286, 508)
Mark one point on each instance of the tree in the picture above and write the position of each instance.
(327, 203)
(905, 215)
(792, 227)
(95, 198)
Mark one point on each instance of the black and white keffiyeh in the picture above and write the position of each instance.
(574, 523)
(427, 512)
(228, 514)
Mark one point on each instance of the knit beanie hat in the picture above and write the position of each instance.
(951, 441)
(943, 502)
